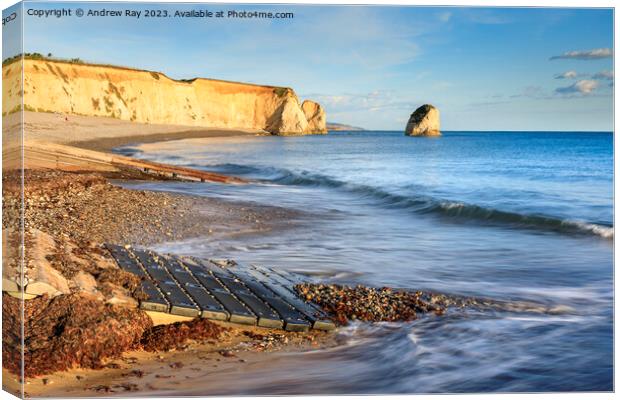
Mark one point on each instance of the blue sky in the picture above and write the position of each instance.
(371, 66)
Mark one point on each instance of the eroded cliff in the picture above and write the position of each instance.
(152, 97)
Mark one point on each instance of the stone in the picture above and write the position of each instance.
(41, 277)
(9, 285)
(315, 115)
(85, 282)
(289, 119)
(424, 122)
(120, 297)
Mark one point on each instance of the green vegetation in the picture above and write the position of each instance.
(26, 107)
(281, 91)
(39, 56)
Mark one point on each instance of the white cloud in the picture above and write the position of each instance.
(583, 87)
(604, 75)
(594, 54)
(372, 101)
(567, 75)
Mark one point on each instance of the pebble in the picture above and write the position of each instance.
(364, 303)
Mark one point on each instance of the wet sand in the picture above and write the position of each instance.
(140, 373)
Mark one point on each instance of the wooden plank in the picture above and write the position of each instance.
(124, 260)
(278, 285)
(290, 277)
(267, 317)
(190, 287)
(233, 285)
(180, 302)
(155, 300)
(209, 307)
(211, 266)
(53, 155)
(293, 320)
(152, 267)
(238, 311)
(287, 283)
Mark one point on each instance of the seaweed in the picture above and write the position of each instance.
(170, 337)
(67, 331)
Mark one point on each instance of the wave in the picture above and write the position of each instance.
(421, 204)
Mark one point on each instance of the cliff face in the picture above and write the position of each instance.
(151, 97)
(315, 114)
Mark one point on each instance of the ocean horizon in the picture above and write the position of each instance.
(472, 131)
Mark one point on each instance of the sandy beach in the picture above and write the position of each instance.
(104, 134)
(144, 373)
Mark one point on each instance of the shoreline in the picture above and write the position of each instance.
(109, 143)
(104, 133)
(131, 219)
(71, 214)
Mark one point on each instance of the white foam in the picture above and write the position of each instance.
(606, 232)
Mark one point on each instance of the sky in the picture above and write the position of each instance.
(369, 66)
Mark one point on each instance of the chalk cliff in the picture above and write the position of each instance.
(315, 114)
(424, 122)
(152, 97)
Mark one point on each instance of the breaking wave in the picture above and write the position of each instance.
(420, 204)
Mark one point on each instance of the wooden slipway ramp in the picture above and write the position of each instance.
(191, 287)
(68, 158)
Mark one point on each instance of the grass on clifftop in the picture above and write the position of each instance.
(39, 56)
(279, 91)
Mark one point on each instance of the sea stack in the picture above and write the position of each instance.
(315, 114)
(424, 122)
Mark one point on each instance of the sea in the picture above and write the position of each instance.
(523, 219)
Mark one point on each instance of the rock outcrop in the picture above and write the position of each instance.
(315, 114)
(151, 97)
(289, 118)
(424, 122)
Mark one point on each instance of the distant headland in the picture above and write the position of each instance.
(334, 126)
